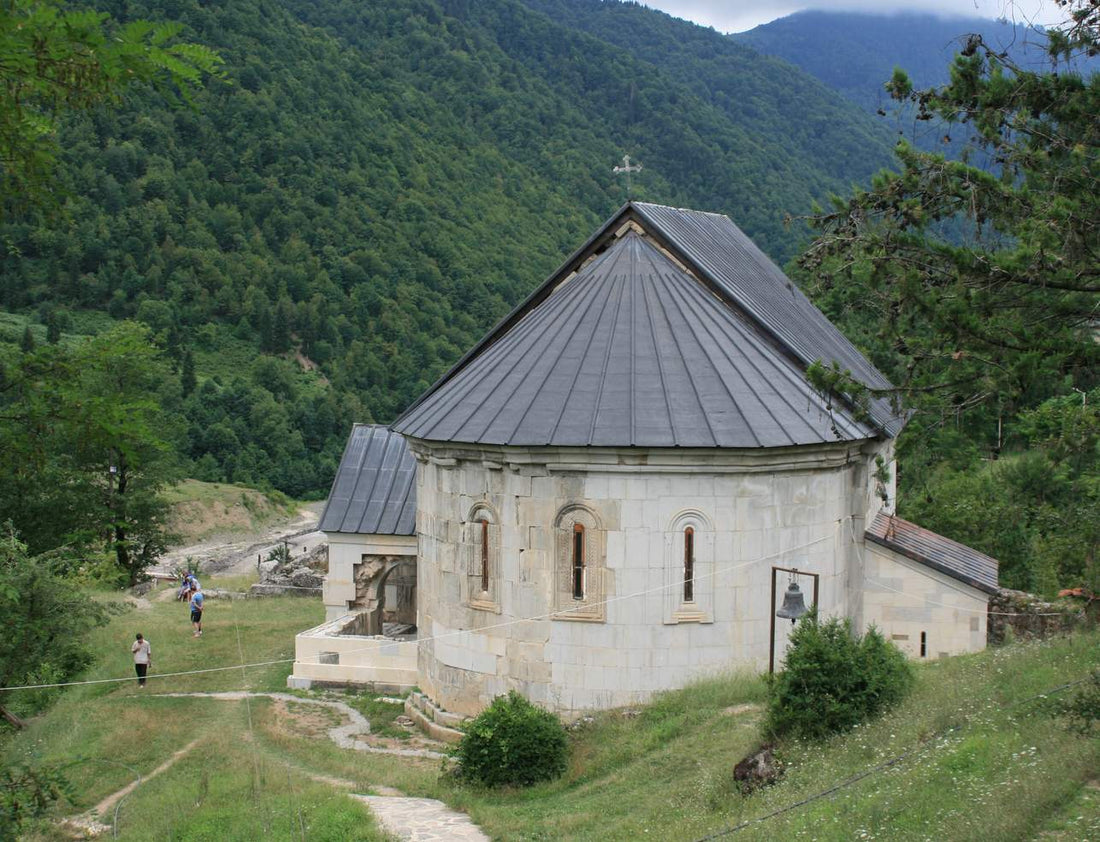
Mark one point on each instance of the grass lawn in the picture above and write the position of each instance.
(265, 769)
(234, 785)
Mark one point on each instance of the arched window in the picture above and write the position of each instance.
(689, 580)
(482, 540)
(578, 561)
(689, 564)
(484, 553)
(578, 577)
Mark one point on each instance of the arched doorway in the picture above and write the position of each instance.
(385, 593)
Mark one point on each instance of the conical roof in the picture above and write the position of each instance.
(640, 347)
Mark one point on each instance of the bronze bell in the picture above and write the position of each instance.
(793, 605)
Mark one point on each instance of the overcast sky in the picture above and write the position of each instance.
(738, 15)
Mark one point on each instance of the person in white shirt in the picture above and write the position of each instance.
(143, 658)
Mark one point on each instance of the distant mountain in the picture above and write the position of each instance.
(856, 53)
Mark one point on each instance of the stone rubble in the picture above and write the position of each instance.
(296, 575)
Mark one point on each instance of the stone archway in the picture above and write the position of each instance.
(372, 576)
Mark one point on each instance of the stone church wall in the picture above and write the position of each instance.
(633, 634)
(925, 613)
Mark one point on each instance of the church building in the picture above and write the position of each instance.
(621, 484)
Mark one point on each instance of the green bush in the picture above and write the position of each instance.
(1082, 710)
(512, 742)
(832, 680)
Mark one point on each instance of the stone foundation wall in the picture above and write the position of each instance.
(332, 654)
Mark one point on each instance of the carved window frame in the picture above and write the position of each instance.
(699, 609)
(482, 562)
(573, 520)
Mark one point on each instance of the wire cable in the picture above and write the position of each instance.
(381, 642)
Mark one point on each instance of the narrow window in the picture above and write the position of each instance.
(689, 565)
(484, 555)
(923, 644)
(578, 561)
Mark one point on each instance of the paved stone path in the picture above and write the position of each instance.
(422, 819)
(343, 735)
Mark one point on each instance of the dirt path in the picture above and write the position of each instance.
(239, 555)
(347, 735)
(413, 819)
(90, 824)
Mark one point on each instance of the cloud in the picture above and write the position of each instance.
(739, 15)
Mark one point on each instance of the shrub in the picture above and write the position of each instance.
(512, 742)
(1082, 710)
(832, 680)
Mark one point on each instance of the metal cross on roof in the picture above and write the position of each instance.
(626, 169)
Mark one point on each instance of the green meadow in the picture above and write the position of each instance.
(985, 759)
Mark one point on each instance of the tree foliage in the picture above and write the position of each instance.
(27, 793)
(974, 284)
(54, 58)
(88, 441)
(373, 185)
(984, 283)
(46, 621)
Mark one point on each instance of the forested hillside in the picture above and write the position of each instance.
(372, 185)
(855, 53)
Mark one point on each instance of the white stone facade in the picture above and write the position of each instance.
(631, 633)
(925, 613)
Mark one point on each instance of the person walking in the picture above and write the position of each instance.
(143, 658)
(196, 612)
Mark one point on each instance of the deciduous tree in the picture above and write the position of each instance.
(54, 58)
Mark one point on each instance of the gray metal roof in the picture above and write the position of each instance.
(374, 492)
(632, 350)
(932, 550)
(725, 255)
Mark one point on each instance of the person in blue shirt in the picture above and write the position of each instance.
(196, 612)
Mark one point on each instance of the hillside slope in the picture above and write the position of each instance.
(983, 759)
(373, 185)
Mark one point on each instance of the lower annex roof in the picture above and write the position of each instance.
(374, 492)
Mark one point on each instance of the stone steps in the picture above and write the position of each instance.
(432, 720)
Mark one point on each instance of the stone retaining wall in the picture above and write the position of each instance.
(1028, 616)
